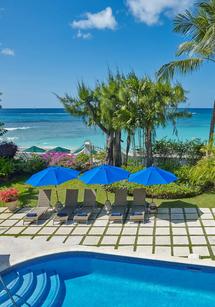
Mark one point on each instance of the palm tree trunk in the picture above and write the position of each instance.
(117, 154)
(128, 145)
(148, 146)
(109, 150)
(212, 126)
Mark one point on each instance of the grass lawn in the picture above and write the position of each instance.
(29, 195)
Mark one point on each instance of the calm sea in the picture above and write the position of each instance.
(51, 127)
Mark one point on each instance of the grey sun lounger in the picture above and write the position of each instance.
(83, 214)
(117, 213)
(43, 204)
(139, 197)
(67, 211)
(119, 207)
(137, 213)
(89, 198)
(120, 198)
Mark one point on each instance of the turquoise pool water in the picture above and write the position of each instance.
(90, 279)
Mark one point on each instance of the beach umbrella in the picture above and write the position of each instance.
(152, 176)
(104, 174)
(59, 149)
(34, 149)
(53, 175)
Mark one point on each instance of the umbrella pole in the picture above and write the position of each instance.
(106, 194)
(57, 194)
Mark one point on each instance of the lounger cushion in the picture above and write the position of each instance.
(137, 213)
(116, 214)
(62, 214)
(82, 214)
(31, 214)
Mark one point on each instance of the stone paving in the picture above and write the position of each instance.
(169, 232)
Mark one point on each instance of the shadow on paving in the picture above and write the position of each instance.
(193, 213)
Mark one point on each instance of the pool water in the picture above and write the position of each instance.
(80, 279)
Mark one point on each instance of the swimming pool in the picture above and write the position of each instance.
(91, 279)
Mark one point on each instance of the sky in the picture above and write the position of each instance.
(47, 46)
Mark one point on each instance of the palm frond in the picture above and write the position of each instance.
(167, 71)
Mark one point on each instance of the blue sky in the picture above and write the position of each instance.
(47, 46)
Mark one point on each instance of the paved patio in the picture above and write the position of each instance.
(170, 232)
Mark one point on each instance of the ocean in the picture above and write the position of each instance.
(55, 127)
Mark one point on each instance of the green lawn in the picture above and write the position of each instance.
(29, 195)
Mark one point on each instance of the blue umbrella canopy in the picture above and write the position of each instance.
(152, 176)
(53, 175)
(104, 174)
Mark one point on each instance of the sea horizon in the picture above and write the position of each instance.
(49, 127)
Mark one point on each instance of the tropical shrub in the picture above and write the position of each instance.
(190, 151)
(203, 173)
(172, 191)
(8, 149)
(99, 157)
(8, 195)
(132, 168)
(30, 165)
(7, 167)
(82, 162)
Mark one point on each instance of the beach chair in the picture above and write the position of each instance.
(139, 197)
(138, 209)
(89, 198)
(66, 212)
(43, 204)
(137, 213)
(83, 214)
(117, 213)
(119, 207)
(120, 198)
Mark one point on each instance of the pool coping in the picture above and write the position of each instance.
(16, 258)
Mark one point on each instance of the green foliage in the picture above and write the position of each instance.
(198, 28)
(7, 167)
(132, 168)
(169, 191)
(82, 162)
(100, 156)
(172, 152)
(203, 173)
(82, 158)
(30, 165)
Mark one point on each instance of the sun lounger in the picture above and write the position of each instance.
(89, 198)
(44, 199)
(120, 198)
(119, 206)
(117, 213)
(137, 213)
(83, 215)
(139, 197)
(71, 203)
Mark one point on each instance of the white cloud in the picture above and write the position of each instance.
(150, 11)
(101, 20)
(83, 35)
(7, 52)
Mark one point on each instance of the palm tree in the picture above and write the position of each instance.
(199, 48)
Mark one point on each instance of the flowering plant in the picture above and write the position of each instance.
(59, 158)
(8, 195)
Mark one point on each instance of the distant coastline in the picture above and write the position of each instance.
(48, 127)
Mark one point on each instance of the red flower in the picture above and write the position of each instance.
(8, 195)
